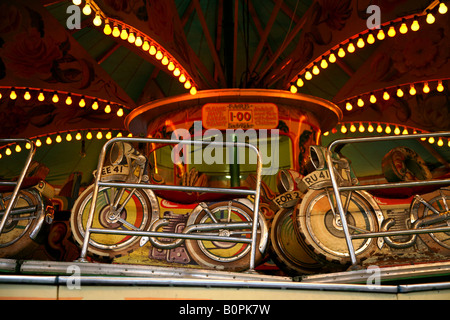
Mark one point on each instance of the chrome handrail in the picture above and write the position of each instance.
(20, 179)
(337, 188)
(256, 193)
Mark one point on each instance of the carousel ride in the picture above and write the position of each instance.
(126, 125)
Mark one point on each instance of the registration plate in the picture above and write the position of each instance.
(288, 199)
(316, 177)
(114, 170)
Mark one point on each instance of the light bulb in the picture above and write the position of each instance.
(95, 105)
(415, 26)
(58, 138)
(360, 43)
(120, 112)
(397, 130)
(76, 2)
(97, 21)
(48, 140)
(55, 98)
(399, 93)
(165, 61)
(341, 53)
(89, 135)
(78, 136)
(69, 100)
(107, 108)
(430, 18)
(431, 140)
(176, 72)
(8, 151)
(381, 35)
(27, 95)
(412, 90)
(131, 38)
(370, 39)
(361, 128)
(388, 129)
(315, 70)
(99, 135)
(348, 106)
(391, 32)
(300, 82)
(107, 29)
(405, 131)
(293, 89)
(403, 28)
(182, 78)
(152, 50)
(426, 88)
(343, 129)
(379, 128)
(332, 58)
(41, 96)
(116, 31)
(440, 142)
(82, 103)
(351, 47)
(108, 135)
(360, 102)
(370, 128)
(18, 148)
(124, 34)
(38, 143)
(442, 8)
(193, 91)
(440, 87)
(138, 42)
(159, 55)
(68, 137)
(171, 66)
(28, 146)
(352, 128)
(386, 96)
(324, 64)
(87, 9)
(13, 95)
(308, 75)
(145, 46)
(373, 99)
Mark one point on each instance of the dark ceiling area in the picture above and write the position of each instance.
(64, 72)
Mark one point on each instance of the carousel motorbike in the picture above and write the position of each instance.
(318, 224)
(25, 209)
(215, 233)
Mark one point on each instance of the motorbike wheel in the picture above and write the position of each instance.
(15, 240)
(316, 225)
(134, 216)
(288, 251)
(221, 255)
(440, 200)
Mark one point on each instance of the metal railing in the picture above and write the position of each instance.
(17, 184)
(337, 189)
(256, 193)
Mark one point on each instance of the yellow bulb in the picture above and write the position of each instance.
(430, 18)
(48, 140)
(13, 95)
(97, 21)
(403, 28)
(360, 102)
(388, 129)
(370, 128)
(308, 75)
(145, 46)
(55, 98)
(193, 91)
(360, 43)
(124, 34)
(341, 53)
(58, 138)
(293, 89)
(361, 128)
(171, 66)
(120, 112)
(397, 130)
(8, 151)
(38, 143)
(187, 85)
(95, 105)
(431, 140)
(176, 72)
(399, 93)
(391, 32)
(182, 78)
(405, 131)
(159, 55)
(87, 9)
(332, 58)
(68, 137)
(165, 61)
(116, 32)
(108, 135)
(300, 82)
(82, 103)
(131, 38)
(18, 148)
(370, 39)
(119, 135)
(348, 106)
(343, 129)
(386, 96)
(381, 35)
(152, 50)
(440, 87)
(78, 136)
(107, 29)
(27, 95)
(99, 135)
(76, 2)
(28, 146)
(315, 70)
(352, 128)
(440, 142)
(415, 26)
(138, 42)
(412, 90)
(351, 47)
(324, 64)
(107, 108)
(426, 88)
(373, 99)
(379, 128)
(41, 96)
(69, 100)
(442, 8)
(89, 135)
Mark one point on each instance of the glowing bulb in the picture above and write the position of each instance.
(405, 131)
(360, 103)
(152, 50)
(48, 140)
(352, 128)
(8, 151)
(332, 58)
(403, 28)
(138, 42)
(95, 105)
(379, 128)
(360, 43)
(391, 32)
(69, 100)
(78, 136)
(442, 8)
(18, 148)
(440, 87)
(308, 75)
(58, 138)
(343, 129)
(108, 135)
(430, 18)
(351, 47)
(300, 82)
(324, 64)
(293, 89)
(165, 61)
(431, 140)
(82, 103)
(193, 91)
(68, 137)
(315, 70)
(370, 128)
(89, 135)
(27, 95)
(187, 85)
(87, 9)
(76, 2)
(440, 142)
(99, 135)
(373, 99)
(341, 53)
(361, 128)
(131, 38)
(412, 90)
(55, 98)
(145, 46)
(41, 96)
(171, 66)
(116, 32)
(415, 26)
(119, 135)
(388, 129)
(370, 39)
(397, 130)
(426, 88)
(120, 112)
(386, 96)
(176, 72)
(182, 78)
(13, 95)
(381, 35)
(107, 108)
(107, 29)
(38, 143)
(399, 93)
(348, 106)
(159, 55)
(124, 34)
(97, 20)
